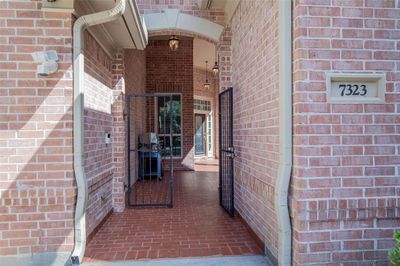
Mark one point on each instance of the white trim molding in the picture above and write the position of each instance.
(173, 19)
(355, 88)
(128, 31)
(230, 8)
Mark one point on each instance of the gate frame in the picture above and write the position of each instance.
(169, 204)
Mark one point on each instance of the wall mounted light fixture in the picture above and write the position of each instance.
(173, 43)
(47, 60)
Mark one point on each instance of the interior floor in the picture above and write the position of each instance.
(195, 226)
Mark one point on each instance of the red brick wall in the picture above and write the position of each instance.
(172, 71)
(345, 184)
(37, 188)
(135, 71)
(99, 166)
(250, 65)
(135, 83)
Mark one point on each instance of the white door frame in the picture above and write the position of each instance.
(209, 153)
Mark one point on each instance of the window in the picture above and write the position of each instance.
(164, 104)
(202, 105)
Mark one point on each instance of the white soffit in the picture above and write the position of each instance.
(127, 31)
(172, 19)
(230, 7)
(219, 3)
(58, 6)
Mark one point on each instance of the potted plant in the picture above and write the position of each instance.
(394, 253)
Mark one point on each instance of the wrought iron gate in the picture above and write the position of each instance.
(226, 151)
(150, 149)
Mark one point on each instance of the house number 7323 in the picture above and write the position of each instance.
(356, 90)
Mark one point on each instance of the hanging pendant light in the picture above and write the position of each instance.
(215, 68)
(207, 83)
(173, 43)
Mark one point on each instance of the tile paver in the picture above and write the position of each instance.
(195, 226)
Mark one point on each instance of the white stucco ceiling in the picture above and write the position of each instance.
(173, 19)
(202, 51)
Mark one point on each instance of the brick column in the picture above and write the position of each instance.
(224, 51)
(119, 134)
(345, 182)
(225, 63)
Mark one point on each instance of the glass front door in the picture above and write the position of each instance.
(200, 135)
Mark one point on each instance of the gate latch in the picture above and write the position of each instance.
(231, 152)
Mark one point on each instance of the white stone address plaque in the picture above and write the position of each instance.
(355, 88)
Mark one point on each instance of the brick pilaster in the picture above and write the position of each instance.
(119, 134)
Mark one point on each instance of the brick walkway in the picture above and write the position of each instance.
(196, 226)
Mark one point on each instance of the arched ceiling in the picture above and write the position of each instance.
(173, 19)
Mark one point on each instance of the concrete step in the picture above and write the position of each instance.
(204, 261)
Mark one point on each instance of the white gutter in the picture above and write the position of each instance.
(285, 132)
(79, 90)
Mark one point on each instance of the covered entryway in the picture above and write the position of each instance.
(179, 198)
(172, 129)
(196, 226)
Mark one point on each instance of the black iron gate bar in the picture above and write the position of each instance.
(129, 150)
(226, 151)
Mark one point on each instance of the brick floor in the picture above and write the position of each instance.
(195, 226)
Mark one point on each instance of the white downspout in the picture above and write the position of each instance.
(285, 132)
(79, 90)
